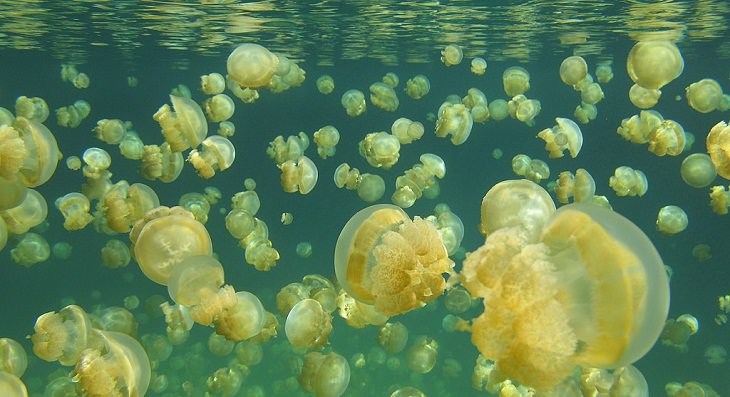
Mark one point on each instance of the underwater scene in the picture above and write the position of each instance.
(360, 198)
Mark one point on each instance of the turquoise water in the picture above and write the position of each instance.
(164, 44)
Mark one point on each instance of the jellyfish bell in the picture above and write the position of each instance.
(573, 69)
(697, 170)
(516, 202)
(307, 324)
(654, 63)
(252, 66)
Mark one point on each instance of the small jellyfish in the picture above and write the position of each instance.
(704, 96)
(371, 187)
(215, 153)
(304, 249)
(498, 109)
(325, 84)
(421, 356)
(245, 319)
(628, 182)
(644, 98)
(654, 63)
(715, 354)
(565, 135)
(604, 72)
(718, 146)
(252, 66)
(212, 84)
(380, 149)
(384, 97)
(325, 375)
(392, 337)
(308, 324)
(671, 220)
(300, 175)
(62, 336)
(326, 139)
(219, 108)
(35, 108)
(677, 332)
(534, 170)
(697, 170)
(111, 131)
(451, 55)
(13, 358)
(478, 66)
(418, 86)
(75, 209)
(184, 128)
(573, 70)
(524, 109)
(667, 139)
(455, 120)
(516, 81)
(406, 130)
(354, 102)
(30, 250)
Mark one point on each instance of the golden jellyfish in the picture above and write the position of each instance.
(715, 354)
(454, 120)
(119, 367)
(719, 200)
(346, 177)
(325, 84)
(243, 320)
(287, 218)
(161, 163)
(73, 163)
(226, 129)
(13, 358)
(42, 148)
(12, 386)
(308, 325)
(637, 128)
(667, 139)
(591, 93)
(452, 55)
(354, 102)
(604, 72)
(122, 205)
(304, 249)
(520, 277)
(516, 203)
(628, 182)
(573, 69)
(164, 238)
(131, 147)
(325, 374)
(676, 332)
(407, 391)
(220, 346)
(524, 109)
(385, 259)
(585, 113)
(12, 152)
(212, 83)
(292, 148)
(32, 211)
(184, 128)
(219, 108)
(421, 356)
(300, 175)
(458, 300)
(533, 169)
(71, 116)
(97, 161)
(81, 81)
(252, 66)
(193, 276)
(117, 319)
(516, 81)
(391, 79)
(34, 108)
(418, 86)
(115, 254)
(6, 117)
(393, 337)
(380, 149)
(671, 220)
(478, 66)
(654, 63)
(418, 180)
(723, 106)
(371, 187)
(644, 98)
(704, 96)
(406, 130)
(326, 139)
(449, 226)
(215, 153)
(62, 336)
(697, 170)
(111, 131)
(718, 146)
(702, 252)
(197, 204)
(565, 135)
(384, 97)
(75, 209)
(498, 109)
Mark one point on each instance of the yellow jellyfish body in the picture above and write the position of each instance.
(718, 146)
(384, 97)
(524, 109)
(75, 209)
(292, 148)
(715, 354)
(12, 152)
(346, 177)
(418, 180)
(43, 154)
(12, 192)
(565, 135)
(644, 98)
(380, 149)
(13, 358)
(29, 213)
(534, 170)
(12, 386)
(62, 336)
(628, 182)
(478, 66)
(300, 175)
(516, 81)
(164, 237)
(676, 332)
(573, 69)
(251, 65)
(371, 187)
(604, 72)
(654, 63)
(115, 254)
(212, 84)
(384, 258)
(325, 375)
(454, 120)
(226, 129)
(325, 84)
(704, 96)
(35, 108)
(111, 131)
(667, 139)
(184, 128)
(193, 275)
(215, 153)
(308, 324)
(32, 248)
(326, 139)
(219, 107)
(131, 146)
(516, 202)
(119, 367)
(418, 86)
(719, 200)
(451, 55)
(392, 337)
(458, 300)
(354, 102)
(406, 130)
(671, 220)
(637, 128)
(421, 356)
(697, 170)
(591, 93)
(244, 320)
(585, 113)
(498, 109)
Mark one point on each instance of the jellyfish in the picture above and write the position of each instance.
(62, 336)
(637, 128)
(451, 55)
(704, 96)
(644, 98)
(516, 81)
(34, 108)
(325, 375)
(300, 175)
(292, 148)
(667, 139)
(718, 147)
(628, 182)
(524, 109)
(12, 152)
(520, 275)
(676, 332)
(122, 205)
(654, 63)
(384, 258)
(719, 200)
(671, 220)
(219, 108)
(325, 84)
(498, 109)
(565, 135)
(697, 170)
(384, 97)
(252, 66)
(42, 151)
(604, 72)
(184, 128)
(29, 213)
(12, 386)
(371, 187)
(421, 356)
(478, 66)
(533, 169)
(585, 113)
(406, 130)
(215, 153)
(131, 146)
(111, 131)
(308, 324)
(354, 102)
(326, 139)
(573, 70)
(380, 149)
(13, 359)
(212, 83)
(454, 120)
(418, 86)
(393, 337)
(418, 179)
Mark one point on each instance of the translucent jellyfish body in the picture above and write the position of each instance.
(308, 324)
(326, 139)
(654, 63)
(164, 237)
(421, 356)
(252, 66)
(212, 84)
(406, 130)
(29, 213)
(243, 320)
(522, 280)
(418, 86)
(718, 146)
(62, 336)
(704, 96)
(384, 97)
(697, 170)
(644, 98)
(565, 135)
(111, 131)
(418, 179)
(71, 116)
(325, 84)
(573, 70)
(532, 169)
(12, 386)
(325, 375)
(451, 55)
(667, 139)
(384, 258)
(581, 186)
(516, 203)
(43, 154)
(32, 248)
(676, 332)
(219, 108)
(75, 209)
(184, 128)
(115, 254)
(628, 182)
(35, 108)
(13, 358)
(516, 81)
(478, 66)
(455, 120)
(12, 152)
(671, 220)
(300, 175)
(524, 109)
(215, 153)
(380, 149)
(122, 205)
(354, 102)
